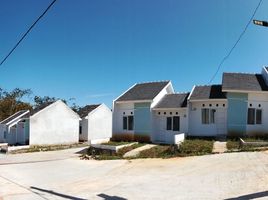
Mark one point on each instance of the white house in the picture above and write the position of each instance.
(15, 129)
(207, 111)
(247, 96)
(96, 123)
(52, 123)
(170, 119)
(132, 111)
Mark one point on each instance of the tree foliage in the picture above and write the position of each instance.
(11, 102)
(16, 100)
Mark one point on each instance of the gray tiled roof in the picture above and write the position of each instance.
(240, 81)
(143, 91)
(207, 92)
(41, 107)
(83, 112)
(173, 101)
(14, 116)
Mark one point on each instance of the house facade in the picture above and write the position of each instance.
(132, 111)
(237, 107)
(48, 124)
(96, 123)
(207, 111)
(15, 129)
(170, 119)
(54, 123)
(247, 96)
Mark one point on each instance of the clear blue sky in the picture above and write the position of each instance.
(93, 50)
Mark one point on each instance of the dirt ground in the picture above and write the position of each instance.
(62, 175)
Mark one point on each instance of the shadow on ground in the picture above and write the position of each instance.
(250, 196)
(83, 151)
(56, 193)
(108, 197)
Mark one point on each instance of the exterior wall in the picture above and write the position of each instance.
(83, 136)
(3, 129)
(159, 132)
(118, 112)
(100, 124)
(196, 128)
(142, 119)
(237, 113)
(258, 101)
(56, 124)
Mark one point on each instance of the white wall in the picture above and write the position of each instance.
(56, 124)
(100, 123)
(160, 133)
(118, 113)
(196, 128)
(3, 128)
(257, 99)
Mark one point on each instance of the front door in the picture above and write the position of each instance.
(221, 122)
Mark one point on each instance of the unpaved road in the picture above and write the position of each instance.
(223, 176)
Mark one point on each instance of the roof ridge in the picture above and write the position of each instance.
(178, 93)
(249, 73)
(207, 85)
(162, 81)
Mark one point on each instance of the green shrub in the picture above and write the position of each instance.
(158, 151)
(127, 137)
(195, 147)
(142, 138)
(232, 145)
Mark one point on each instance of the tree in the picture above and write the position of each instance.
(11, 102)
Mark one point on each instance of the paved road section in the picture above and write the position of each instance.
(219, 176)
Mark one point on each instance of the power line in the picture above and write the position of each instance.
(26, 33)
(237, 41)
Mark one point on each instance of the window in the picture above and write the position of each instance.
(203, 105)
(128, 123)
(173, 123)
(258, 116)
(170, 113)
(212, 116)
(254, 116)
(124, 123)
(208, 116)
(159, 113)
(176, 123)
(80, 130)
(251, 116)
(169, 123)
(223, 105)
(205, 116)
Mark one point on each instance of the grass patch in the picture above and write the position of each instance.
(159, 151)
(189, 147)
(232, 145)
(39, 148)
(195, 147)
(114, 143)
(101, 154)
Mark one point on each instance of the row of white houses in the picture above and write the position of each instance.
(56, 123)
(153, 112)
(237, 107)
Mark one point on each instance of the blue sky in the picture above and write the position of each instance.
(93, 50)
